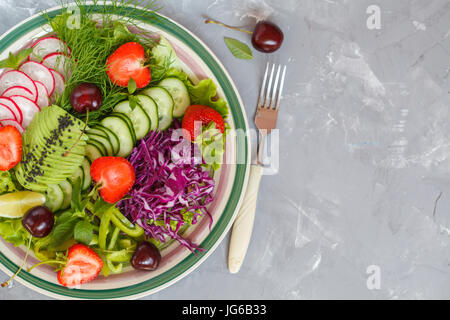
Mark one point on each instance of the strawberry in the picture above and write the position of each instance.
(204, 115)
(10, 147)
(126, 63)
(116, 176)
(82, 265)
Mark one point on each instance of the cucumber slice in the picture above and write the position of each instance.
(129, 123)
(97, 131)
(104, 141)
(179, 93)
(99, 146)
(93, 152)
(54, 197)
(139, 118)
(123, 132)
(86, 166)
(150, 108)
(112, 137)
(165, 103)
(66, 188)
(78, 173)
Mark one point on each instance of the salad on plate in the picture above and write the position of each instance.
(107, 147)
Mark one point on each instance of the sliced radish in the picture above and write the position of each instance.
(12, 122)
(28, 107)
(17, 78)
(43, 97)
(14, 108)
(45, 46)
(18, 91)
(39, 72)
(60, 84)
(6, 112)
(58, 62)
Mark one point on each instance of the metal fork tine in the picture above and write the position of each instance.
(263, 86)
(281, 88)
(269, 87)
(275, 87)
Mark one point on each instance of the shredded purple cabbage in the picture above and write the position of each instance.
(170, 185)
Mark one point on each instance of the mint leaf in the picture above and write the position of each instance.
(83, 232)
(63, 231)
(239, 49)
(133, 102)
(132, 86)
(101, 205)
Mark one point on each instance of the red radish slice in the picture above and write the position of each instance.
(17, 78)
(18, 91)
(43, 97)
(29, 109)
(12, 122)
(58, 62)
(60, 84)
(39, 72)
(45, 46)
(6, 112)
(14, 108)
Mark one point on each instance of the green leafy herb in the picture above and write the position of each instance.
(239, 49)
(63, 230)
(101, 205)
(131, 86)
(15, 60)
(76, 203)
(100, 30)
(84, 232)
(133, 102)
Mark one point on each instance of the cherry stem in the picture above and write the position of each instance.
(227, 26)
(79, 138)
(4, 284)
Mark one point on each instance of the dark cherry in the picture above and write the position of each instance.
(267, 37)
(86, 96)
(38, 221)
(146, 257)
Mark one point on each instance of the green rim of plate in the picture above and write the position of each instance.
(241, 169)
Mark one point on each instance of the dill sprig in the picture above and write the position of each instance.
(100, 29)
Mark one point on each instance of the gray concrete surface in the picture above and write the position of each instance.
(363, 183)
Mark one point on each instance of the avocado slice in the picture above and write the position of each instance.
(46, 142)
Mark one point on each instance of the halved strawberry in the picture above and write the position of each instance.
(202, 115)
(116, 176)
(126, 63)
(83, 265)
(10, 147)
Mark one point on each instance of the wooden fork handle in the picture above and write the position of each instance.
(243, 225)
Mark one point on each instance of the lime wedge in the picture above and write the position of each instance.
(16, 204)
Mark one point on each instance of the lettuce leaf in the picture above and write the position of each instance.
(204, 93)
(7, 183)
(13, 231)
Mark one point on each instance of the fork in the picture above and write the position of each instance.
(265, 120)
